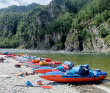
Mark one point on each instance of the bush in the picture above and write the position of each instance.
(103, 33)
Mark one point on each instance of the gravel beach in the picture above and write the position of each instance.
(8, 80)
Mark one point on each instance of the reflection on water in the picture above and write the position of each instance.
(95, 60)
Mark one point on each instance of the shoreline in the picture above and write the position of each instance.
(7, 84)
(46, 51)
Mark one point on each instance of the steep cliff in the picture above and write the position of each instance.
(92, 43)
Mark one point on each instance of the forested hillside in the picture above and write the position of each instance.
(71, 25)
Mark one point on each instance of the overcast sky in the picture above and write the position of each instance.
(6, 3)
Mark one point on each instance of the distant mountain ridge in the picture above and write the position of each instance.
(15, 8)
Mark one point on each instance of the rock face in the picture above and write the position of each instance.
(51, 12)
(49, 43)
(72, 42)
(95, 44)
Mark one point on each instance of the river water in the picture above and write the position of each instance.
(95, 60)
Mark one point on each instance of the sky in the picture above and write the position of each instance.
(6, 3)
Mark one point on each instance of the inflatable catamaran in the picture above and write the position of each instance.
(81, 73)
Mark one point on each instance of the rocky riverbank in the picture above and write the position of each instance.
(8, 80)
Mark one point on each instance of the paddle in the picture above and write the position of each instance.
(43, 86)
(46, 86)
(24, 86)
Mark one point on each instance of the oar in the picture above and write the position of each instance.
(43, 86)
(46, 86)
(24, 86)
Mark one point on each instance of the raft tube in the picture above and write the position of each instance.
(45, 70)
